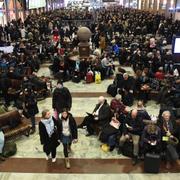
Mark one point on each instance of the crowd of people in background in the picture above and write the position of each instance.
(131, 37)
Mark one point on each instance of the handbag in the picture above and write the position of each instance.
(10, 149)
(127, 149)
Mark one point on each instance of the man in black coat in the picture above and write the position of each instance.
(127, 89)
(62, 98)
(31, 107)
(101, 115)
(132, 130)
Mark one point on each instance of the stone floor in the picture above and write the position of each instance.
(87, 147)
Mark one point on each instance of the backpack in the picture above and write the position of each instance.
(10, 149)
(97, 77)
(112, 90)
(76, 77)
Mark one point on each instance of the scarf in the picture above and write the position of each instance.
(115, 123)
(49, 124)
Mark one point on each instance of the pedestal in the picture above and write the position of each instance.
(84, 51)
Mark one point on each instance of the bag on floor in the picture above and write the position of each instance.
(10, 149)
(152, 163)
(112, 90)
(127, 149)
(105, 148)
(89, 77)
(97, 77)
(76, 79)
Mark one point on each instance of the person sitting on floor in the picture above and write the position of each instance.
(169, 141)
(100, 116)
(117, 105)
(127, 89)
(132, 130)
(151, 139)
(111, 131)
(142, 112)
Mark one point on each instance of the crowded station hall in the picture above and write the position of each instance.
(89, 89)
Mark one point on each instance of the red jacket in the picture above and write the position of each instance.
(159, 75)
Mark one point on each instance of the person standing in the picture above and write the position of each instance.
(61, 99)
(30, 106)
(49, 137)
(68, 133)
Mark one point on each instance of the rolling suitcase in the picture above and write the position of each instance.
(152, 163)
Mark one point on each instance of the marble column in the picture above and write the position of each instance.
(15, 9)
(158, 3)
(168, 5)
(7, 11)
(150, 4)
(155, 5)
(139, 2)
(146, 4)
(177, 6)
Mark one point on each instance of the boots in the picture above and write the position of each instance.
(2, 158)
(67, 163)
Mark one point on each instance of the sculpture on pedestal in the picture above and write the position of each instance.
(84, 35)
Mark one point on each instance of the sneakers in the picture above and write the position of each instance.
(48, 157)
(53, 160)
(67, 163)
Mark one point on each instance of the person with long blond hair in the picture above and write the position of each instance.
(49, 137)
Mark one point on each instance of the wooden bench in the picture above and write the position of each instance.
(13, 124)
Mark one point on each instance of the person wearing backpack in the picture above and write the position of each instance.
(30, 106)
